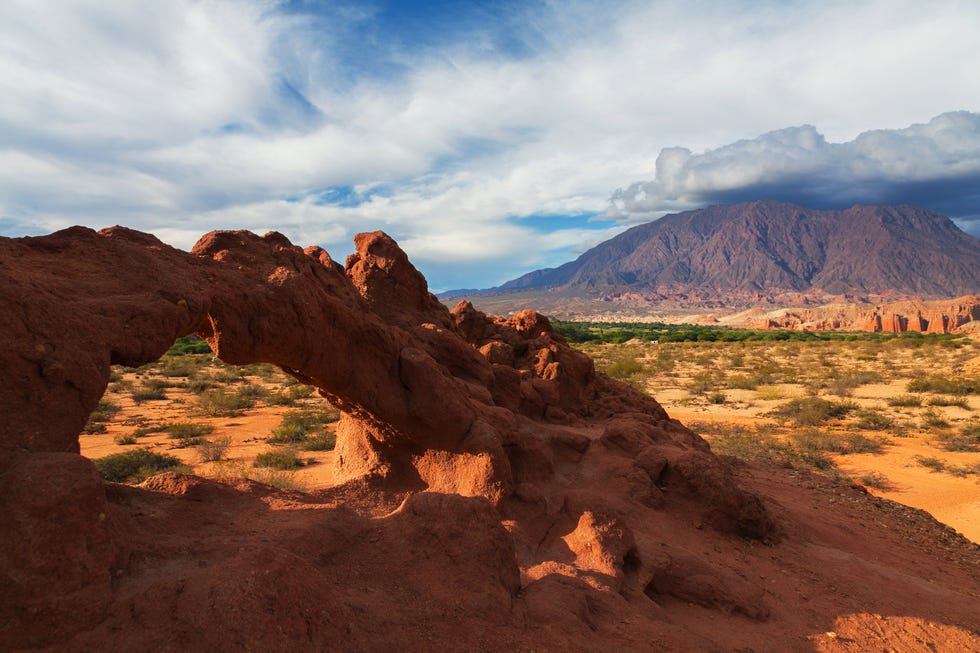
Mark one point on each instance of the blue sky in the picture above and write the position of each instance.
(488, 138)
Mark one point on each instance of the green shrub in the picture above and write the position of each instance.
(125, 439)
(960, 402)
(325, 441)
(716, 398)
(278, 459)
(811, 411)
(220, 402)
(742, 382)
(93, 428)
(932, 419)
(872, 420)
(946, 386)
(624, 367)
(968, 439)
(188, 430)
(296, 425)
(907, 401)
(135, 466)
(104, 411)
(188, 345)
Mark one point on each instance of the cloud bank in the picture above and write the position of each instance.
(485, 138)
(935, 165)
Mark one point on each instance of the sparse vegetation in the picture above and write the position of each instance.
(945, 386)
(811, 411)
(135, 466)
(219, 402)
(283, 459)
(214, 449)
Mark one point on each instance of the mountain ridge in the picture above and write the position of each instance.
(773, 247)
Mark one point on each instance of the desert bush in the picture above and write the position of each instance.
(187, 430)
(93, 428)
(182, 366)
(700, 383)
(814, 441)
(906, 401)
(290, 395)
(296, 426)
(931, 462)
(135, 466)
(946, 386)
(282, 479)
(717, 398)
(150, 390)
(968, 439)
(811, 411)
(959, 402)
(873, 420)
(104, 411)
(624, 367)
(742, 382)
(214, 449)
(745, 443)
(220, 402)
(769, 393)
(125, 439)
(188, 345)
(932, 419)
(325, 441)
(876, 480)
(844, 384)
(147, 430)
(278, 459)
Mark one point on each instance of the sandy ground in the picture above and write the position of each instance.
(953, 500)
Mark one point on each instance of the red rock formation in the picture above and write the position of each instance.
(583, 509)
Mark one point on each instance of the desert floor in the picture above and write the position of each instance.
(901, 417)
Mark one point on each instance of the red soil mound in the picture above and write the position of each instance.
(498, 493)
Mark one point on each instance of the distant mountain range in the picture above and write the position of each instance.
(768, 248)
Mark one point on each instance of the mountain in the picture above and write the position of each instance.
(768, 248)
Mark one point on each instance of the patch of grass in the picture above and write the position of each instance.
(769, 393)
(283, 459)
(125, 439)
(150, 390)
(93, 428)
(811, 411)
(147, 430)
(281, 479)
(931, 462)
(214, 449)
(188, 430)
(945, 386)
(104, 411)
(624, 367)
(219, 402)
(960, 402)
(905, 401)
(290, 395)
(932, 419)
(873, 420)
(814, 441)
(968, 439)
(135, 466)
(297, 426)
(877, 480)
(325, 441)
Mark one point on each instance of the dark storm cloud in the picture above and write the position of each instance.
(935, 165)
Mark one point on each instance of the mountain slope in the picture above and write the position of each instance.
(770, 247)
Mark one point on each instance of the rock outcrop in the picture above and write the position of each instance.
(496, 491)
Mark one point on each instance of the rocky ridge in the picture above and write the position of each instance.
(496, 492)
(755, 252)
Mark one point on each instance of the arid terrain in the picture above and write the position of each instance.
(920, 448)
(749, 399)
(488, 488)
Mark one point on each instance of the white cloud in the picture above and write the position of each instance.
(185, 116)
(914, 165)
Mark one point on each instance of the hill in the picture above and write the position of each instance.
(765, 248)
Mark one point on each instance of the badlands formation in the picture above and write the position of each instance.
(494, 491)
